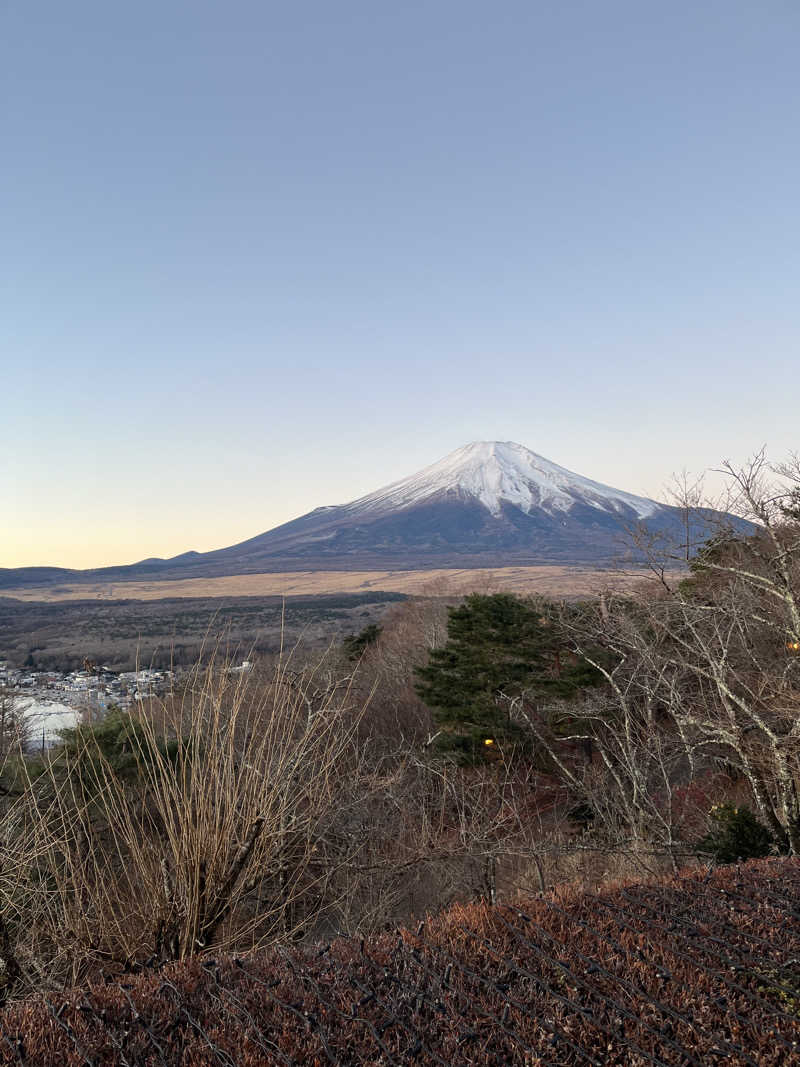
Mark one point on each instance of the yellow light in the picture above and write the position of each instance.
(793, 646)
(489, 741)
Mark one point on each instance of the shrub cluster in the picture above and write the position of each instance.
(736, 834)
(697, 969)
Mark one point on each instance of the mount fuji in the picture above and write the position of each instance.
(488, 504)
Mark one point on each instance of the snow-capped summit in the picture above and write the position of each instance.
(494, 472)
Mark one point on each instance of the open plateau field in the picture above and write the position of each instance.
(160, 622)
(546, 580)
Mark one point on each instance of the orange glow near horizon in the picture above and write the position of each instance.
(92, 547)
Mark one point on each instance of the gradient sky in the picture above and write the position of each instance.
(259, 257)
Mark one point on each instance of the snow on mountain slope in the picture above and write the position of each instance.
(496, 471)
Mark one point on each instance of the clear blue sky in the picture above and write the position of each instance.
(259, 257)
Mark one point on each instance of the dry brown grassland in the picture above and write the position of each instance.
(543, 580)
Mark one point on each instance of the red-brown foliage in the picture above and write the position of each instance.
(698, 969)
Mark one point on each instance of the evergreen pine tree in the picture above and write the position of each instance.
(496, 645)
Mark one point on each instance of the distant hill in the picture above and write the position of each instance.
(488, 504)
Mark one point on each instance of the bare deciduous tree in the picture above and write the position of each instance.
(702, 676)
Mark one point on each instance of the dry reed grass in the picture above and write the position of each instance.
(223, 826)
